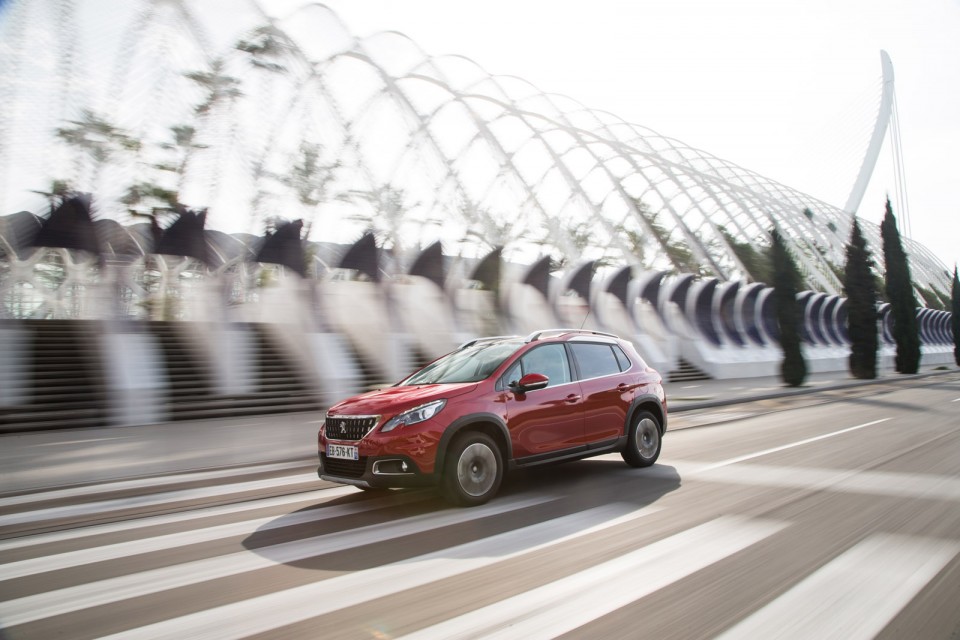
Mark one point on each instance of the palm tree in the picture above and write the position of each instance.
(181, 149)
(387, 216)
(310, 178)
(97, 139)
(220, 87)
(266, 46)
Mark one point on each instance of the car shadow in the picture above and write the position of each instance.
(369, 529)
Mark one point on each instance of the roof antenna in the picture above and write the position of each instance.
(585, 318)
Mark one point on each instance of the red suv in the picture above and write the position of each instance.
(498, 403)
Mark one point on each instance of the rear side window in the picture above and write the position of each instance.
(622, 358)
(595, 360)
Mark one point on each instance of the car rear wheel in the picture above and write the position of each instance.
(472, 471)
(643, 442)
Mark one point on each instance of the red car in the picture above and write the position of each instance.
(494, 404)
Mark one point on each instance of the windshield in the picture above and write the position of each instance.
(472, 364)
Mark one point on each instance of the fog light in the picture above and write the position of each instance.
(391, 467)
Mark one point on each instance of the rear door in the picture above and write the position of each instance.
(607, 388)
(544, 420)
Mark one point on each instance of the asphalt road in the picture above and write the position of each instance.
(828, 516)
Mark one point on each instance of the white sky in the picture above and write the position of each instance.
(787, 88)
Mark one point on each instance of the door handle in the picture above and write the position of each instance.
(572, 398)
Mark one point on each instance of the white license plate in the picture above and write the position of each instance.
(343, 452)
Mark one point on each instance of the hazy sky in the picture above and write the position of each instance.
(787, 88)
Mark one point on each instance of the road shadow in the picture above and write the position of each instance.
(880, 401)
(370, 529)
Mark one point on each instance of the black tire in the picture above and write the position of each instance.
(472, 471)
(643, 441)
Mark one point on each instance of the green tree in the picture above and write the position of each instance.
(757, 263)
(955, 317)
(310, 179)
(219, 86)
(903, 303)
(267, 47)
(58, 191)
(930, 298)
(858, 285)
(100, 141)
(786, 282)
(677, 251)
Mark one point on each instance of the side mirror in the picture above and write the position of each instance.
(530, 382)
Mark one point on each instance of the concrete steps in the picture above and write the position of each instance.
(686, 372)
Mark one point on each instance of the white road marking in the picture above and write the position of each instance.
(275, 610)
(61, 601)
(896, 484)
(561, 606)
(184, 516)
(874, 580)
(791, 445)
(140, 483)
(92, 555)
(150, 500)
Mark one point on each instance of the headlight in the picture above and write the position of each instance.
(415, 415)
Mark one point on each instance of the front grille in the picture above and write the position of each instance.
(350, 427)
(344, 468)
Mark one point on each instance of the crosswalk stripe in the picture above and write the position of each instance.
(874, 580)
(92, 555)
(896, 484)
(150, 500)
(266, 613)
(329, 493)
(60, 601)
(561, 606)
(142, 483)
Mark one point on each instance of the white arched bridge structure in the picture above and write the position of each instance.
(434, 202)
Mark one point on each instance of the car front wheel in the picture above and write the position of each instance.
(643, 442)
(472, 471)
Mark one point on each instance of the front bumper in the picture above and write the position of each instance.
(389, 471)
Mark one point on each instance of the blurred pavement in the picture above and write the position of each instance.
(701, 394)
(45, 459)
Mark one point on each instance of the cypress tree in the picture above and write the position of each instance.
(955, 317)
(861, 295)
(903, 302)
(786, 282)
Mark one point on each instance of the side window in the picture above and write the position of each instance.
(622, 358)
(513, 374)
(550, 360)
(595, 360)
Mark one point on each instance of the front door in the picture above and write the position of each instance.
(549, 419)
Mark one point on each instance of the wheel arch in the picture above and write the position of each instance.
(488, 423)
(649, 403)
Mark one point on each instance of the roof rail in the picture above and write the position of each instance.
(536, 335)
(470, 343)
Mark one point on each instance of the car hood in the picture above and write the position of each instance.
(394, 400)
